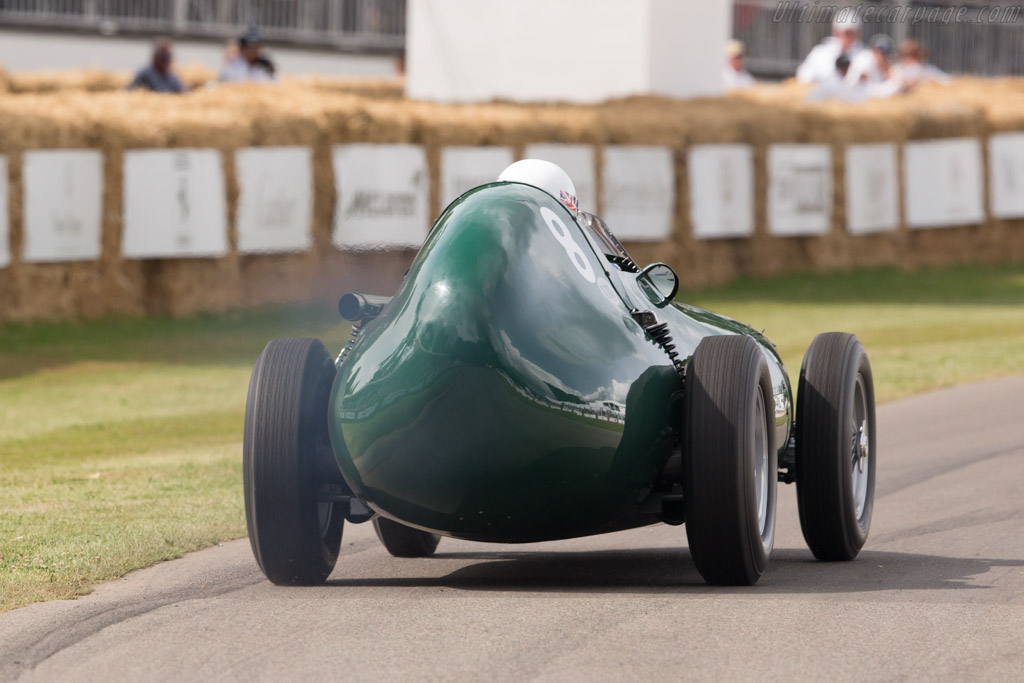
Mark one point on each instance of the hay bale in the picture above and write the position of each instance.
(88, 109)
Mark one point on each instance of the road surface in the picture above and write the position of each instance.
(937, 593)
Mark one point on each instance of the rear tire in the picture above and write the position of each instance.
(404, 541)
(295, 539)
(835, 446)
(730, 460)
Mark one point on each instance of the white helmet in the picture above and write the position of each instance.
(545, 176)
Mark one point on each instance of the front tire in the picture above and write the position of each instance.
(295, 539)
(835, 446)
(730, 460)
(404, 541)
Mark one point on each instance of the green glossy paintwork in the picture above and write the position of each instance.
(505, 393)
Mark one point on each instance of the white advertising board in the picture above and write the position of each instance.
(799, 190)
(382, 196)
(872, 188)
(463, 168)
(721, 190)
(943, 180)
(5, 228)
(174, 204)
(639, 192)
(577, 161)
(63, 205)
(1006, 174)
(275, 202)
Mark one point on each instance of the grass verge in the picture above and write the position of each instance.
(120, 441)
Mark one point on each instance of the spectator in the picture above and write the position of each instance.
(735, 73)
(158, 76)
(251, 65)
(820, 64)
(874, 66)
(837, 85)
(914, 68)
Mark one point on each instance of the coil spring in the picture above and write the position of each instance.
(661, 336)
(351, 342)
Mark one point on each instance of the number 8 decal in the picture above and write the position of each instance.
(564, 237)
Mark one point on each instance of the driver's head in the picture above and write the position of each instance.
(545, 176)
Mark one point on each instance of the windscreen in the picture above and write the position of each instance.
(610, 246)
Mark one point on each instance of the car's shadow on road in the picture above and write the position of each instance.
(664, 570)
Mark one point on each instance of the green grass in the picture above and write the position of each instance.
(120, 440)
(923, 330)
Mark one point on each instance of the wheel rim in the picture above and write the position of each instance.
(860, 448)
(761, 464)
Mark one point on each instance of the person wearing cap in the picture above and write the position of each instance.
(873, 67)
(820, 63)
(158, 77)
(251, 65)
(735, 74)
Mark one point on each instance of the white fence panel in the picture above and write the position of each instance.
(174, 204)
(799, 190)
(721, 190)
(63, 205)
(1006, 174)
(463, 168)
(383, 196)
(639, 191)
(872, 188)
(943, 180)
(275, 203)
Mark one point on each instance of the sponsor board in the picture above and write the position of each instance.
(174, 204)
(721, 190)
(799, 190)
(577, 161)
(943, 180)
(463, 168)
(1006, 174)
(275, 203)
(383, 193)
(872, 188)
(639, 191)
(63, 207)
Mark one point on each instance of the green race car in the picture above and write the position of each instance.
(529, 382)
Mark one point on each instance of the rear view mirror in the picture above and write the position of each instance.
(662, 279)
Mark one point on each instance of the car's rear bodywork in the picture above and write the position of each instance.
(520, 386)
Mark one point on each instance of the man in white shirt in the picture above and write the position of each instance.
(874, 66)
(820, 63)
(735, 74)
(250, 65)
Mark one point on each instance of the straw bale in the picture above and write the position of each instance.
(90, 110)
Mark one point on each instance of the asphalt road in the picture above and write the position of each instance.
(937, 593)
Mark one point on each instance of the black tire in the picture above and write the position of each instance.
(295, 539)
(730, 460)
(835, 446)
(404, 541)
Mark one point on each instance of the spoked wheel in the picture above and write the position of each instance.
(404, 541)
(730, 460)
(294, 537)
(835, 446)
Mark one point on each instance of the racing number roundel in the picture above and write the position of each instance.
(564, 237)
